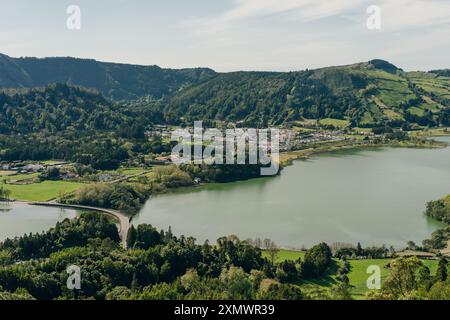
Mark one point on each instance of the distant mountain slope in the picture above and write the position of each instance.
(113, 80)
(59, 108)
(443, 72)
(12, 75)
(367, 94)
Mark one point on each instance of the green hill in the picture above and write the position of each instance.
(113, 80)
(366, 94)
(61, 121)
(56, 108)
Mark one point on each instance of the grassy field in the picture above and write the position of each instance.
(127, 171)
(302, 129)
(357, 275)
(431, 132)
(51, 162)
(286, 255)
(46, 190)
(42, 191)
(286, 158)
(337, 123)
(131, 171)
(19, 177)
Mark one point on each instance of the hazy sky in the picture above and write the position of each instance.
(229, 35)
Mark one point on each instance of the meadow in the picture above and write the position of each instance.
(41, 191)
(35, 190)
(337, 123)
(358, 271)
(26, 187)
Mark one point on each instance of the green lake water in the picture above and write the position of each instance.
(372, 196)
(20, 219)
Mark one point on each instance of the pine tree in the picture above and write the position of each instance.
(359, 250)
(131, 237)
(441, 273)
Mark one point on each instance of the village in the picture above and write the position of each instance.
(62, 177)
(289, 138)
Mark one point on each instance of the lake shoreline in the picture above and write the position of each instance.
(213, 187)
(307, 154)
(286, 158)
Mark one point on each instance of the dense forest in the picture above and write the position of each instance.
(115, 81)
(158, 265)
(368, 94)
(59, 108)
(71, 123)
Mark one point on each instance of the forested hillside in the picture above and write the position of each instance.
(157, 266)
(56, 108)
(113, 80)
(367, 94)
(71, 123)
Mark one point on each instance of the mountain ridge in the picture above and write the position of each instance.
(115, 81)
(366, 94)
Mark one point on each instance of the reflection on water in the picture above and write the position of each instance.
(374, 196)
(18, 219)
(4, 207)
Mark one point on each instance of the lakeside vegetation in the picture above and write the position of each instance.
(41, 191)
(439, 209)
(158, 265)
(110, 159)
(357, 274)
(440, 239)
(129, 197)
(60, 112)
(286, 158)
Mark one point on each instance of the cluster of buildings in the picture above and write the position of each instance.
(288, 138)
(321, 136)
(159, 131)
(24, 167)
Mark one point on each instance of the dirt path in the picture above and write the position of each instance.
(123, 219)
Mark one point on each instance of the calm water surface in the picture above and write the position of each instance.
(372, 196)
(18, 219)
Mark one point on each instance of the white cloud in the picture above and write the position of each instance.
(308, 9)
(250, 10)
(400, 15)
(396, 14)
(293, 34)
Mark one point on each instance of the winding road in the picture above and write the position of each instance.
(123, 219)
